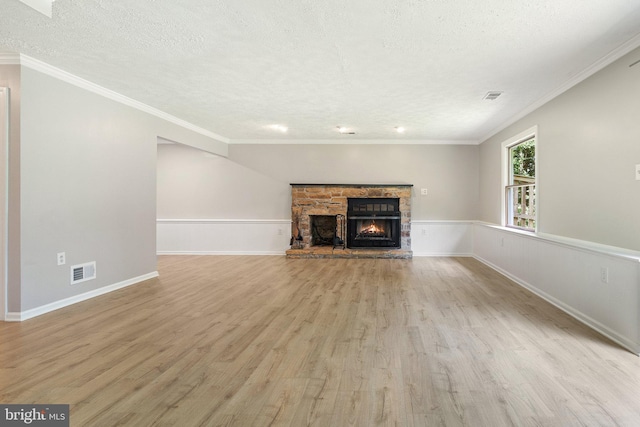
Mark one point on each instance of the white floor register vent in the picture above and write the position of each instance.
(83, 272)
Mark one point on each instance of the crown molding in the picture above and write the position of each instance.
(606, 60)
(37, 65)
(348, 141)
(8, 58)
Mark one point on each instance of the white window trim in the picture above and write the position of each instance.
(532, 132)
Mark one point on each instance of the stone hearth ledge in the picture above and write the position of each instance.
(329, 252)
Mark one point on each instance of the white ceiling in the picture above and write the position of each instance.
(235, 67)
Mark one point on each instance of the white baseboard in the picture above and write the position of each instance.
(443, 254)
(47, 308)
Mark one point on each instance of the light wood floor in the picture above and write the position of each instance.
(262, 341)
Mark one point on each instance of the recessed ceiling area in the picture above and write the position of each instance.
(237, 68)
(42, 6)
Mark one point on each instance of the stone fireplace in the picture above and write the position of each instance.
(350, 220)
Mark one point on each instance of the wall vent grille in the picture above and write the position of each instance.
(83, 272)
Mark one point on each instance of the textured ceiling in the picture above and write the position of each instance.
(235, 67)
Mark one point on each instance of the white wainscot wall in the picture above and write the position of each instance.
(442, 238)
(271, 237)
(569, 274)
(223, 236)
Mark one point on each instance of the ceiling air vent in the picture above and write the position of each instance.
(490, 96)
(83, 272)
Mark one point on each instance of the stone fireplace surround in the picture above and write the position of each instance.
(331, 199)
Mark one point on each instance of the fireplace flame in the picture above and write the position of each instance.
(373, 228)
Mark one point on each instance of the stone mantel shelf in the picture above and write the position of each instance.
(351, 185)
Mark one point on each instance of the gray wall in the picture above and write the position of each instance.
(449, 172)
(193, 184)
(87, 187)
(10, 77)
(253, 183)
(588, 146)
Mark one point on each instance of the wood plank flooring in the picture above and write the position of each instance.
(270, 341)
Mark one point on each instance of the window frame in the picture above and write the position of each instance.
(531, 133)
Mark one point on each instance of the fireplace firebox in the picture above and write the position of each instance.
(323, 229)
(373, 223)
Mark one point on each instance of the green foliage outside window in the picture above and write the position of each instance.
(523, 159)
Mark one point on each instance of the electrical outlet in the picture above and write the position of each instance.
(424, 231)
(423, 191)
(280, 231)
(604, 275)
(501, 241)
(62, 258)
(637, 172)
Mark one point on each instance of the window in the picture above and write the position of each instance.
(520, 198)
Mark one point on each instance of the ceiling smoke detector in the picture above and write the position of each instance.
(491, 96)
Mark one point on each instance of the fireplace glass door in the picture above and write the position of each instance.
(373, 223)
